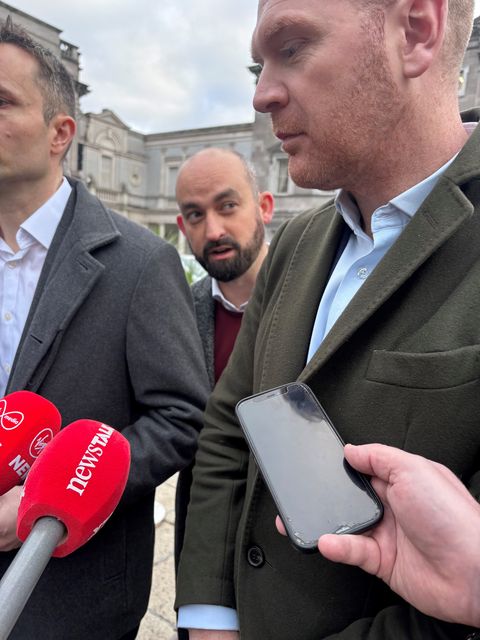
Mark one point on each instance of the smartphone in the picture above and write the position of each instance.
(300, 456)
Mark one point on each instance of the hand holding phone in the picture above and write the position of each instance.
(300, 456)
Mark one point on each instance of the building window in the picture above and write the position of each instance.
(281, 175)
(172, 173)
(106, 171)
(462, 81)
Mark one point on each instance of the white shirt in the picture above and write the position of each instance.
(20, 271)
(229, 306)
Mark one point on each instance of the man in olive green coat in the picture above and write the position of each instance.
(373, 301)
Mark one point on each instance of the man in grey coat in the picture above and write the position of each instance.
(97, 317)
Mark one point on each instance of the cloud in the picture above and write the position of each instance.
(161, 66)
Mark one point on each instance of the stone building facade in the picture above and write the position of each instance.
(135, 173)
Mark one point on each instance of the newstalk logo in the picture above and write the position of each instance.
(9, 420)
(40, 442)
(90, 459)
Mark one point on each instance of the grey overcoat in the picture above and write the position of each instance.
(111, 336)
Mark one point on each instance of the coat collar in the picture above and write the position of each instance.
(69, 274)
(447, 207)
(440, 215)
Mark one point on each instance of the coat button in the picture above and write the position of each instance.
(255, 557)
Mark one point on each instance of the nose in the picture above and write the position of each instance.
(214, 229)
(270, 94)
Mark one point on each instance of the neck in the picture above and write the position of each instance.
(414, 155)
(239, 290)
(19, 200)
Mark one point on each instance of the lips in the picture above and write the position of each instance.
(290, 138)
(284, 135)
(220, 252)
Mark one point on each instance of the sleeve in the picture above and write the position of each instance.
(167, 372)
(201, 616)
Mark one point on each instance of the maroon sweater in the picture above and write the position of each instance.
(227, 326)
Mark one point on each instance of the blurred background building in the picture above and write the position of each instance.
(135, 173)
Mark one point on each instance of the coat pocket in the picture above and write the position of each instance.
(435, 370)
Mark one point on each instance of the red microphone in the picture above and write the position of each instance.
(79, 480)
(28, 423)
(69, 494)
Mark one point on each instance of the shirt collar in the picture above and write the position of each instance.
(408, 202)
(229, 306)
(43, 223)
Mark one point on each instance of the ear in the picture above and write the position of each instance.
(63, 131)
(424, 26)
(266, 204)
(181, 224)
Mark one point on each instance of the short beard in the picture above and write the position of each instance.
(233, 268)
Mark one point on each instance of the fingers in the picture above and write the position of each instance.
(358, 550)
(279, 525)
(382, 461)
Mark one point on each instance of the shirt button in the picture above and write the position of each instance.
(7, 368)
(362, 273)
(255, 557)
(12, 265)
(8, 316)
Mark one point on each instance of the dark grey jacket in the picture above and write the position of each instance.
(205, 313)
(111, 336)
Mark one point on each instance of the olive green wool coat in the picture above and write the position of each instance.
(401, 366)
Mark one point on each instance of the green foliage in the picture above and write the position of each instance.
(193, 271)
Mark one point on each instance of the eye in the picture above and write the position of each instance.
(256, 68)
(290, 49)
(228, 206)
(193, 217)
(3, 102)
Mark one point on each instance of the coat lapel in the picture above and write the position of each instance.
(429, 229)
(72, 273)
(205, 314)
(297, 303)
(438, 218)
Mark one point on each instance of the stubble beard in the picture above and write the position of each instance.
(353, 141)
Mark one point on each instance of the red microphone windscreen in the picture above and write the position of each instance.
(79, 479)
(27, 424)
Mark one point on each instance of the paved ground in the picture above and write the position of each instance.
(159, 622)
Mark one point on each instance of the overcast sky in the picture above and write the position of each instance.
(161, 65)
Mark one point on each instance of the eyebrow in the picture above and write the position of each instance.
(6, 92)
(227, 193)
(275, 29)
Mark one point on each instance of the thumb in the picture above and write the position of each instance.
(359, 550)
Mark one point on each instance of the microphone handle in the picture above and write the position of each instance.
(25, 570)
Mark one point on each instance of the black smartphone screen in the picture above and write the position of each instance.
(300, 456)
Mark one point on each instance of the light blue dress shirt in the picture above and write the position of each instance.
(362, 252)
(359, 258)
